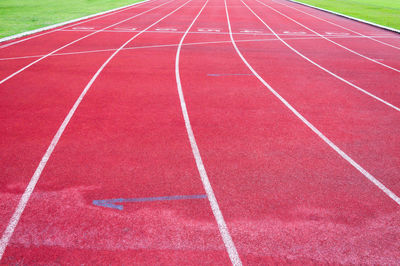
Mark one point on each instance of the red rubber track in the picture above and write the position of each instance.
(359, 117)
(286, 196)
(59, 39)
(35, 102)
(346, 63)
(151, 157)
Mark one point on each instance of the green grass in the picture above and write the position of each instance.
(383, 12)
(17, 16)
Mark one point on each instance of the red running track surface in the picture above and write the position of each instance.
(285, 194)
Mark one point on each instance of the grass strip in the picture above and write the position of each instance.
(18, 16)
(383, 12)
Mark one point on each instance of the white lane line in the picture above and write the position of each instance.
(35, 178)
(337, 33)
(296, 32)
(241, 32)
(337, 25)
(328, 39)
(208, 30)
(251, 31)
(311, 126)
(223, 229)
(96, 16)
(166, 29)
(321, 67)
(170, 45)
(124, 29)
(77, 40)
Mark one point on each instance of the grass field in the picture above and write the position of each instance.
(383, 12)
(22, 15)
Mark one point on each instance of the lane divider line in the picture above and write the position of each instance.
(77, 40)
(321, 67)
(12, 224)
(332, 23)
(123, 29)
(285, 33)
(171, 45)
(328, 39)
(185, 44)
(83, 28)
(346, 157)
(94, 17)
(223, 228)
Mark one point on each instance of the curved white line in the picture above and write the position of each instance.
(330, 22)
(35, 178)
(77, 40)
(364, 172)
(328, 39)
(97, 16)
(223, 229)
(321, 67)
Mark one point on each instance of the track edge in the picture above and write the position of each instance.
(348, 17)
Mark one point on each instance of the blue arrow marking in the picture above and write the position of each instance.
(109, 203)
(219, 75)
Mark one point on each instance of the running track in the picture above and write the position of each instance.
(280, 123)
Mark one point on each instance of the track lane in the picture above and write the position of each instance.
(34, 103)
(27, 158)
(362, 121)
(382, 56)
(30, 114)
(328, 59)
(224, 231)
(133, 109)
(244, 134)
(286, 196)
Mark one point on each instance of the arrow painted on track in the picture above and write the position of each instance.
(110, 203)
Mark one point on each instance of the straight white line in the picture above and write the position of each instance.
(223, 229)
(321, 67)
(332, 23)
(170, 45)
(196, 32)
(311, 126)
(244, 33)
(107, 13)
(227, 33)
(35, 178)
(77, 40)
(328, 39)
